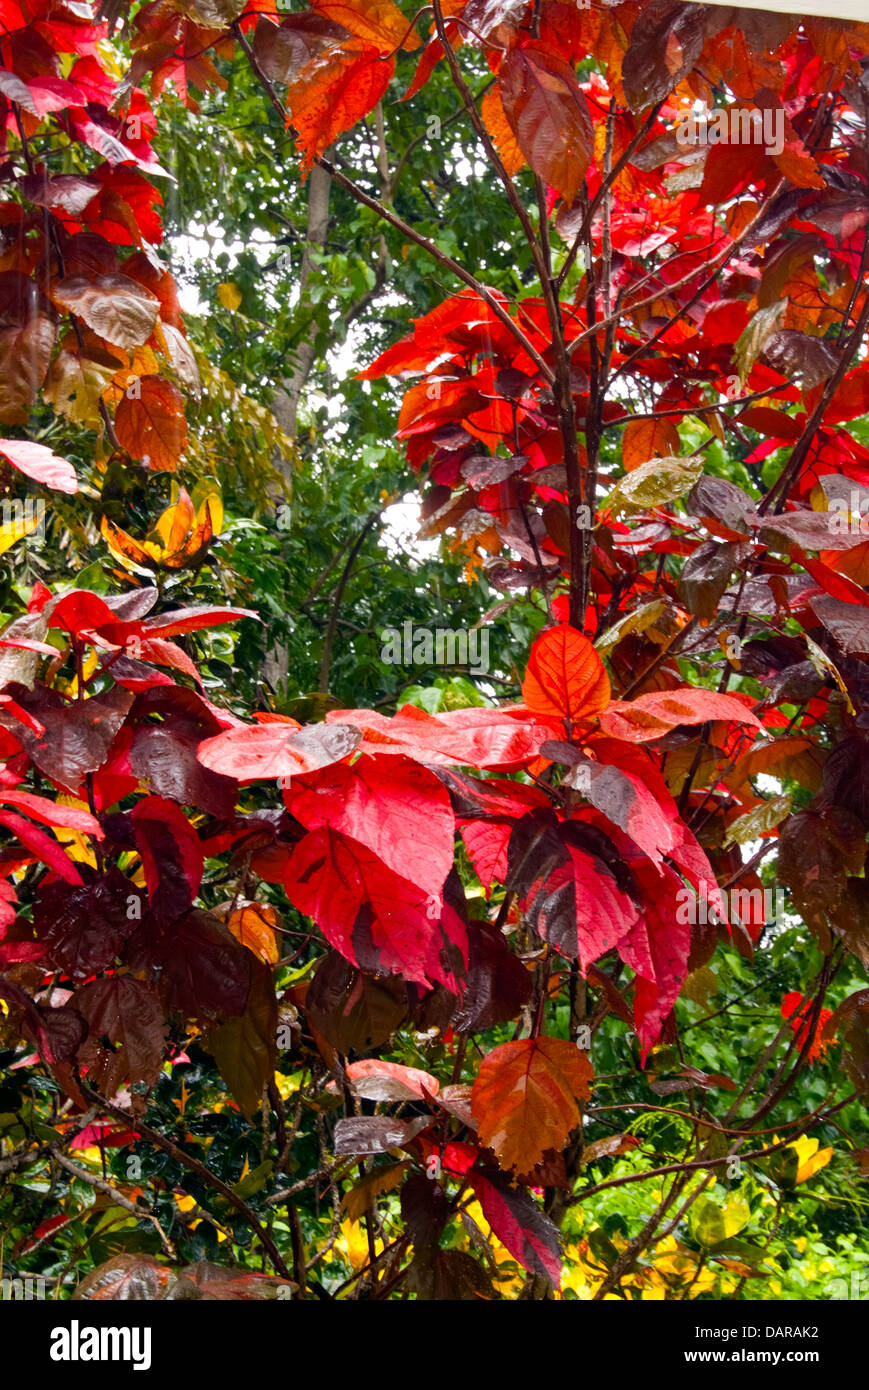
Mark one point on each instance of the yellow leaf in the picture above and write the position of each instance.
(76, 844)
(229, 295)
(209, 506)
(355, 1202)
(124, 549)
(810, 1159)
(15, 529)
(353, 1243)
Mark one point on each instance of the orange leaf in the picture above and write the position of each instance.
(525, 1098)
(125, 550)
(495, 120)
(253, 925)
(649, 439)
(853, 563)
(565, 677)
(377, 22)
(328, 98)
(151, 426)
(173, 526)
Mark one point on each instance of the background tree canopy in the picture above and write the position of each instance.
(434, 708)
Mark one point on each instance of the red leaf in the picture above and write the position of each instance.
(182, 620)
(839, 585)
(282, 749)
(580, 908)
(518, 1223)
(151, 426)
(850, 399)
(800, 1011)
(500, 804)
(49, 813)
(626, 787)
(650, 716)
(566, 678)
(396, 808)
(171, 855)
(39, 463)
(483, 738)
(41, 845)
(375, 918)
(79, 611)
(14, 952)
(328, 98)
(657, 948)
(548, 112)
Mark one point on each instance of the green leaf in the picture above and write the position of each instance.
(759, 329)
(653, 483)
(764, 817)
(639, 621)
(711, 1222)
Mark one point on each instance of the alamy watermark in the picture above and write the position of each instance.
(411, 645)
(857, 1287)
(77, 1343)
(735, 125)
(23, 517)
(23, 1288)
(711, 905)
(849, 518)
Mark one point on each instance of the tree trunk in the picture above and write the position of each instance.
(285, 406)
(288, 395)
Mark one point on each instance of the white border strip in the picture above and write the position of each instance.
(824, 9)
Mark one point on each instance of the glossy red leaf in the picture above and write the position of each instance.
(181, 620)
(42, 846)
(499, 739)
(398, 809)
(270, 750)
(519, 1224)
(373, 916)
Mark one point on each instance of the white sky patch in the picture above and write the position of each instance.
(400, 535)
(201, 243)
